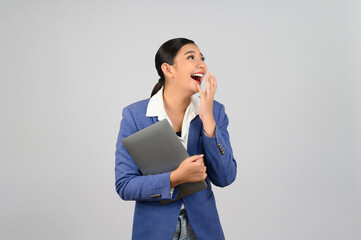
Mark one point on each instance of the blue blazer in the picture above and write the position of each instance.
(152, 220)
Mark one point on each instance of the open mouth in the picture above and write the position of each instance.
(197, 76)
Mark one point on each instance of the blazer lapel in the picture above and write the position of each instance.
(195, 129)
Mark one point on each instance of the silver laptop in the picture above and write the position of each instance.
(157, 149)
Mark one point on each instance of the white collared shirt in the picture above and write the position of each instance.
(156, 109)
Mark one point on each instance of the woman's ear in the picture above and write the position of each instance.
(167, 70)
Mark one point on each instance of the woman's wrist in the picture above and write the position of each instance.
(175, 178)
(209, 127)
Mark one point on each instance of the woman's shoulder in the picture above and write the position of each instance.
(139, 105)
(217, 106)
(136, 113)
(216, 103)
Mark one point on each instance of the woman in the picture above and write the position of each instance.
(201, 124)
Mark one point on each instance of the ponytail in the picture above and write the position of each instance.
(158, 86)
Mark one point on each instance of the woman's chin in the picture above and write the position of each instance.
(194, 89)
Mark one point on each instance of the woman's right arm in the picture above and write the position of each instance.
(129, 182)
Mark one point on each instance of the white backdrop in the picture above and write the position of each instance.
(288, 74)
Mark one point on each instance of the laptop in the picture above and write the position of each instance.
(157, 149)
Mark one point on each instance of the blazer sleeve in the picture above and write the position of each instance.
(130, 184)
(221, 165)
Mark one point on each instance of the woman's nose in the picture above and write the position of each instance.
(202, 64)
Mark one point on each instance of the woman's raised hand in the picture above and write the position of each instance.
(206, 106)
(192, 169)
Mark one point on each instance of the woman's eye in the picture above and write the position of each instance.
(193, 57)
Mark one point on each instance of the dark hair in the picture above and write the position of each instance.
(166, 54)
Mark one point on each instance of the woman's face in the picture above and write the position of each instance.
(189, 68)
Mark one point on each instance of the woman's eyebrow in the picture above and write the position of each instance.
(189, 52)
(192, 52)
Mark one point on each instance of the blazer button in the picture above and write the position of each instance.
(222, 152)
(155, 196)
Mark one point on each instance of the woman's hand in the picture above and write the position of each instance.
(192, 169)
(206, 107)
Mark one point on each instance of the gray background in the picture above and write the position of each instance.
(288, 73)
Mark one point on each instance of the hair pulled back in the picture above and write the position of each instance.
(166, 54)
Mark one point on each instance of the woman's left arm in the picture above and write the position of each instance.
(219, 160)
(221, 166)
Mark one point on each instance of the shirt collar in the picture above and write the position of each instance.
(156, 105)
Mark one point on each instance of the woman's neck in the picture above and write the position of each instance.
(175, 100)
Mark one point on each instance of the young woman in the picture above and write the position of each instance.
(201, 124)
